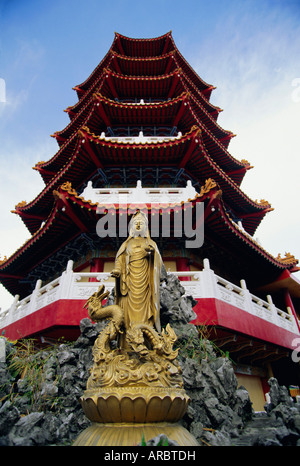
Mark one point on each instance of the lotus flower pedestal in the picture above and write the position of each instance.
(125, 416)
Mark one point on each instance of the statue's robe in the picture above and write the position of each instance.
(137, 288)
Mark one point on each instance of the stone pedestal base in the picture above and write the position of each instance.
(131, 434)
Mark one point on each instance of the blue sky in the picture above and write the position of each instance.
(248, 49)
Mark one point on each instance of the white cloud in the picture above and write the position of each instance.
(26, 61)
(258, 87)
(2, 90)
(18, 182)
(12, 103)
(266, 121)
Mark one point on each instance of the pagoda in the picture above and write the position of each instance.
(144, 131)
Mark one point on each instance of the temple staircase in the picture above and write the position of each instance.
(263, 430)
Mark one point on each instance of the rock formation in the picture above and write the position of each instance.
(40, 406)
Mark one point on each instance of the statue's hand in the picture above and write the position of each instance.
(115, 273)
(149, 249)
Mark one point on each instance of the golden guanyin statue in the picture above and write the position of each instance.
(137, 272)
(135, 386)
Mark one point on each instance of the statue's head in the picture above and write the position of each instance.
(138, 225)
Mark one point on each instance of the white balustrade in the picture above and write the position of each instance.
(140, 139)
(201, 284)
(139, 195)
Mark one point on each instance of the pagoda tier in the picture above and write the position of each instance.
(116, 85)
(172, 106)
(163, 119)
(161, 47)
(99, 154)
(155, 119)
(181, 111)
(70, 232)
(134, 89)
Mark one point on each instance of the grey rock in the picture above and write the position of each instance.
(9, 416)
(220, 413)
(196, 429)
(63, 430)
(2, 349)
(27, 431)
(278, 394)
(243, 405)
(224, 371)
(65, 356)
(24, 386)
(190, 369)
(216, 439)
(49, 390)
(297, 423)
(289, 414)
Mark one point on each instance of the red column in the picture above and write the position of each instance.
(289, 303)
(182, 265)
(97, 265)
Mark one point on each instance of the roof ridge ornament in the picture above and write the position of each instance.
(38, 164)
(20, 205)
(3, 260)
(287, 259)
(208, 186)
(263, 203)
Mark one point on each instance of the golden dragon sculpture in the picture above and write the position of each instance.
(147, 357)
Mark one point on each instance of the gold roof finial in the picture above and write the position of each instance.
(20, 204)
(287, 259)
(3, 260)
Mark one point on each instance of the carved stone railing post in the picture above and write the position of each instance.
(66, 281)
(208, 281)
(247, 297)
(34, 296)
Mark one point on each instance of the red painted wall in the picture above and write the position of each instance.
(65, 312)
(211, 311)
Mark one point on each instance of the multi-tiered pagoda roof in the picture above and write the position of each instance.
(143, 114)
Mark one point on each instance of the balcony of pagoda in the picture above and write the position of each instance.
(56, 309)
(139, 195)
(137, 134)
